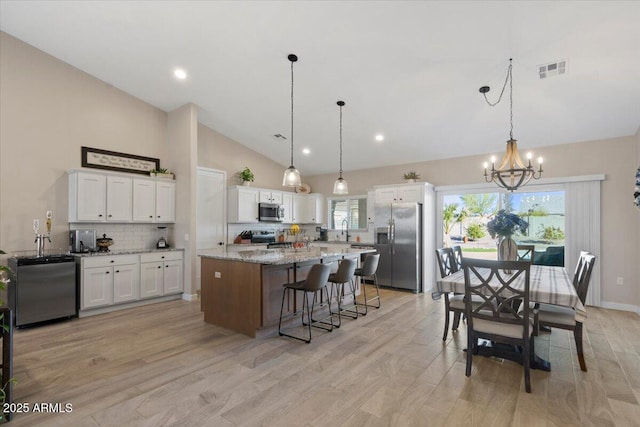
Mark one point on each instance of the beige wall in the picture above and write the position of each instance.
(216, 151)
(48, 110)
(616, 158)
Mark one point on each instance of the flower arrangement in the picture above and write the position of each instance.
(506, 224)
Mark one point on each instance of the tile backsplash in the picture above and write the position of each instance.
(129, 236)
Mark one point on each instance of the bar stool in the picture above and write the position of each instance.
(368, 269)
(316, 281)
(346, 268)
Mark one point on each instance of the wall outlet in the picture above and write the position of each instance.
(217, 275)
(620, 281)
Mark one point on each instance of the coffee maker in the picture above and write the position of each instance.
(324, 234)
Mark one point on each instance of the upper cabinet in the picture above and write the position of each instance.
(314, 209)
(267, 196)
(243, 204)
(410, 193)
(101, 197)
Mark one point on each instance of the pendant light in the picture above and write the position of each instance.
(291, 175)
(340, 186)
(512, 173)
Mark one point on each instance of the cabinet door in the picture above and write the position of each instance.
(151, 279)
(287, 205)
(97, 287)
(165, 202)
(119, 199)
(410, 194)
(248, 205)
(386, 195)
(371, 201)
(92, 197)
(144, 200)
(299, 208)
(126, 282)
(172, 277)
(265, 197)
(314, 209)
(276, 197)
(273, 277)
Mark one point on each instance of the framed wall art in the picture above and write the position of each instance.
(121, 162)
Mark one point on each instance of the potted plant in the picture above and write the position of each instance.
(504, 225)
(411, 176)
(246, 176)
(161, 173)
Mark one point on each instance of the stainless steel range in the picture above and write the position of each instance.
(42, 288)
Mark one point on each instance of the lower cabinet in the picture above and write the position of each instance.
(114, 279)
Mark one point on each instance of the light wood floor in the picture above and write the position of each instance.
(161, 365)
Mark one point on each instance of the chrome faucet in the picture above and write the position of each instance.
(345, 228)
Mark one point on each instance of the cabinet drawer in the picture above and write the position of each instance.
(107, 260)
(161, 256)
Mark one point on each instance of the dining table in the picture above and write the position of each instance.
(547, 284)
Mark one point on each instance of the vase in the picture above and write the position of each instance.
(246, 183)
(507, 250)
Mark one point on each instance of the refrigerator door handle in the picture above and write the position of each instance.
(389, 237)
(393, 236)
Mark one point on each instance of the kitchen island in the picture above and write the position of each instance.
(242, 290)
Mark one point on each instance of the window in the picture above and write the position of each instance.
(348, 213)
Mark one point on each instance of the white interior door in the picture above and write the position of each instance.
(211, 205)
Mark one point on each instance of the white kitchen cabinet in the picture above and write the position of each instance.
(371, 201)
(161, 273)
(243, 205)
(144, 200)
(271, 197)
(108, 279)
(87, 197)
(104, 197)
(400, 194)
(165, 201)
(287, 207)
(314, 214)
(119, 199)
(299, 208)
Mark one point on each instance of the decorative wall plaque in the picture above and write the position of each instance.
(122, 162)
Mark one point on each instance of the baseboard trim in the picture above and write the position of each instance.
(190, 297)
(622, 307)
(123, 306)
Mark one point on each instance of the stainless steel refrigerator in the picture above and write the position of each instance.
(398, 240)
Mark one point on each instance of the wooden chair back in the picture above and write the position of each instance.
(584, 275)
(445, 261)
(526, 253)
(487, 280)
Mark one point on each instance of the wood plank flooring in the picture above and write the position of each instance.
(161, 365)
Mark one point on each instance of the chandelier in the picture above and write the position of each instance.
(291, 175)
(512, 173)
(340, 186)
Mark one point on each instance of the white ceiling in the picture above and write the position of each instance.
(410, 70)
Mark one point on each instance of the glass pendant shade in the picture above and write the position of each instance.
(291, 177)
(340, 187)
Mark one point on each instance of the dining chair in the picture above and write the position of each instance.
(316, 280)
(496, 319)
(452, 303)
(526, 253)
(457, 257)
(555, 316)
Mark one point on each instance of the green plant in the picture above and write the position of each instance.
(475, 231)
(411, 175)
(159, 170)
(550, 233)
(480, 204)
(246, 174)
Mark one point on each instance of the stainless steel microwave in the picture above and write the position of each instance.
(270, 212)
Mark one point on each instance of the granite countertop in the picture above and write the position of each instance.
(281, 256)
(125, 252)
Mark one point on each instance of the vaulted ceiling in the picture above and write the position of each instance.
(408, 70)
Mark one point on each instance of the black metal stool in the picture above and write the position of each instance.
(316, 281)
(368, 269)
(346, 268)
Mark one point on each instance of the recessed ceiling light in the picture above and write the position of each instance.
(306, 151)
(180, 73)
(379, 137)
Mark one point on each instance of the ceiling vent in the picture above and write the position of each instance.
(553, 69)
(279, 136)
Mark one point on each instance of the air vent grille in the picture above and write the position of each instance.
(553, 69)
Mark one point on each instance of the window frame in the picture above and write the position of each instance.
(347, 197)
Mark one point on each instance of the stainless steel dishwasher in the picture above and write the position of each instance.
(42, 288)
